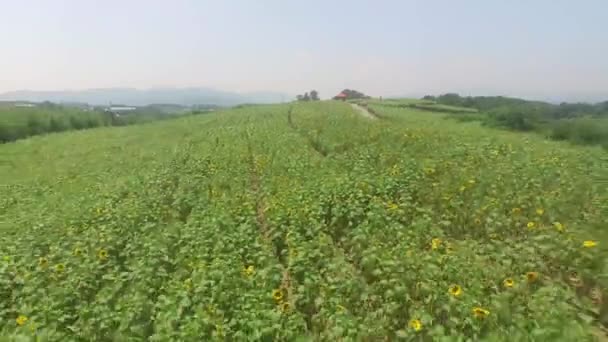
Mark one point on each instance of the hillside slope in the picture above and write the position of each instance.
(274, 222)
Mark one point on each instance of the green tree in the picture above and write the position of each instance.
(56, 124)
(353, 94)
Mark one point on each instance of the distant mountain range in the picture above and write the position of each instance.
(139, 97)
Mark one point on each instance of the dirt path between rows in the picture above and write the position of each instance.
(363, 111)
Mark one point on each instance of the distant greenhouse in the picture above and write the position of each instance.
(115, 111)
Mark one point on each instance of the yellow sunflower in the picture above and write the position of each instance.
(589, 244)
(531, 276)
(21, 320)
(435, 243)
(415, 324)
(531, 225)
(277, 294)
(102, 254)
(188, 284)
(508, 282)
(558, 226)
(43, 262)
(480, 313)
(249, 270)
(455, 290)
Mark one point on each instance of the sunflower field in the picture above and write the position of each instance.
(303, 222)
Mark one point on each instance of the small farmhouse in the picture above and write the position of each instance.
(342, 96)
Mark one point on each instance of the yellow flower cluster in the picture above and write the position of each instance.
(279, 297)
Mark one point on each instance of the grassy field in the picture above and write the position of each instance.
(303, 221)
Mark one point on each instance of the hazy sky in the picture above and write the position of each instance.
(532, 48)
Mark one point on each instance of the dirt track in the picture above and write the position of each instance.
(363, 111)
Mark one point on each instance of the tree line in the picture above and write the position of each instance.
(347, 94)
(313, 95)
(22, 122)
(584, 123)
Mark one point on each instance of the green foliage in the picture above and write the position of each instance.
(22, 122)
(401, 102)
(515, 117)
(466, 117)
(581, 123)
(545, 110)
(591, 131)
(433, 107)
(17, 123)
(425, 104)
(301, 222)
(484, 103)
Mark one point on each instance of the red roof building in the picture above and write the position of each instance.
(341, 96)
